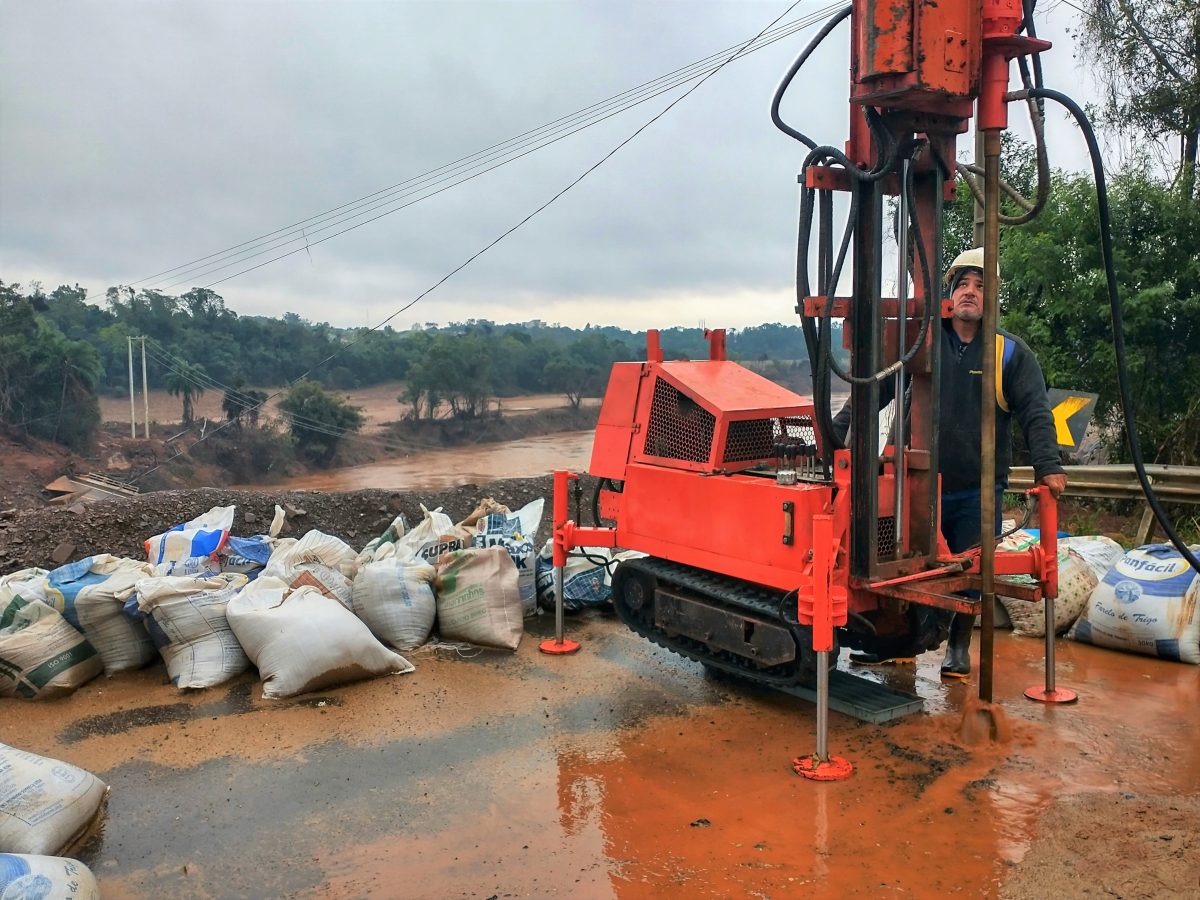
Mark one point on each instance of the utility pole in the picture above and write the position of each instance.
(132, 408)
(145, 390)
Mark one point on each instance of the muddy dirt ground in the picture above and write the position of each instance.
(622, 771)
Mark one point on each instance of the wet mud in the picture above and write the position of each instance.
(623, 771)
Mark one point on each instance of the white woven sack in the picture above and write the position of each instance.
(29, 584)
(395, 599)
(314, 547)
(41, 655)
(303, 641)
(90, 593)
(45, 804)
(478, 600)
(189, 625)
(515, 532)
(1076, 580)
(27, 877)
(434, 535)
(1149, 603)
(1099, 552)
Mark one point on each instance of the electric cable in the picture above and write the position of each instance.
(506, 233)
(528, 142)
(1110, 275)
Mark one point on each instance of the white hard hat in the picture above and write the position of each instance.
(968, 259)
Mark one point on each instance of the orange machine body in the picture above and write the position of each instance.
(693, 445)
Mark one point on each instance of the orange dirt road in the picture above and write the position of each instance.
(623, 771)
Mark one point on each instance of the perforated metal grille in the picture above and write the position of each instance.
(753, 439)
(749, 439)
(886, 536)
(796, 428)
(679, 428)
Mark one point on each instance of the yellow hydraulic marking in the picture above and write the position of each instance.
(1062, 412)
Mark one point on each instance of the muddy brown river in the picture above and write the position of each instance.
(624, 771)
(446, 468)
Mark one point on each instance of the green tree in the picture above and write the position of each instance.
(186, 380)
(1146, 56)
(319, 420)
(47, 381)
(1054, 295)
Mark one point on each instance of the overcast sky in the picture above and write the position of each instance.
(137, 137)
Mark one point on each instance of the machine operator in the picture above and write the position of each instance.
(1020, 391)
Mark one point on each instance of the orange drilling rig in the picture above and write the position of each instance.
(771, 543)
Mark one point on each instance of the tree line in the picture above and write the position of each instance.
(60, 349)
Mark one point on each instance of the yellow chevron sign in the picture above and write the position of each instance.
(1072, 410)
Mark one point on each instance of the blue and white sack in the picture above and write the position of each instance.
(585, 581)
(1147, 603)
(91, 594)
(515, 532)
(202, 536)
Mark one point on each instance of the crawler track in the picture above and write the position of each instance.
(634, 585)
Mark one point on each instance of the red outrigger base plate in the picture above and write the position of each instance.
(836, 768)
(1058, 695)
(558, 648)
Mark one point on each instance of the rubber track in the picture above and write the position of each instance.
(741, 596)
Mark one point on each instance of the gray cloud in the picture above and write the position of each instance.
(140, 136)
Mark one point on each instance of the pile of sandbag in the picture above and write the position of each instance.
(307, 612)
(1146, 603)
(1082, 562)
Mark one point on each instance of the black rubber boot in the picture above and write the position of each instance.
(958, 647)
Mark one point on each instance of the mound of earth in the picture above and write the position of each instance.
(119, 526)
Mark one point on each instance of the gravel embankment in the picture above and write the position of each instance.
(30, 537)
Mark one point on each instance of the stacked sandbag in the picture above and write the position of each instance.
(90, 595)
(395, 599)
(249, 555)
(301, 640)
(1076, 580)
(384, 546)
(433, 536)
(317, 560)
(204, 535)
(515, 532)
(1147, 603)
(41, 655)
(586, 582)
(186, 618)
(28, 877)
(192, 567)
(478, 600)
(1099, 552)
(29, 584)
(45, 804)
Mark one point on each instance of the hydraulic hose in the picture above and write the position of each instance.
(833, 22)
(1114, 299)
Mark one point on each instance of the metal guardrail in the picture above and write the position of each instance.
(1172, 484)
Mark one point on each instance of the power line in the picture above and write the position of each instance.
(539, 137)
(515, 227)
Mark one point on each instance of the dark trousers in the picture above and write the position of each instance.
(960, 517)
(961, 512)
